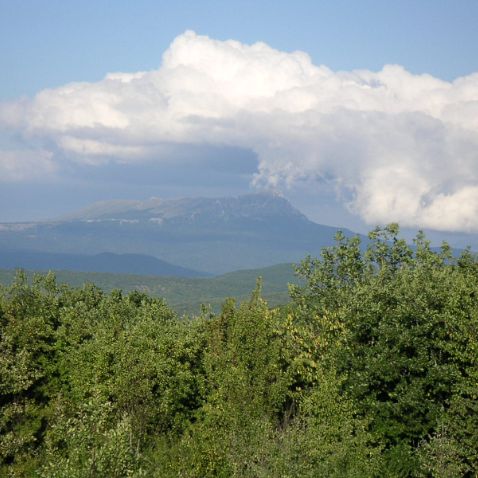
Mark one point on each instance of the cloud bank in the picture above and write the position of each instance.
(395, 146)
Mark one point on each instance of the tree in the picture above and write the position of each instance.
(410, 316)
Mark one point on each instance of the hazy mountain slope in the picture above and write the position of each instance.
(458, 240)
(104, 262)
(187, 294)
(213, 235)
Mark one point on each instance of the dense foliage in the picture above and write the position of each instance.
(370, 371)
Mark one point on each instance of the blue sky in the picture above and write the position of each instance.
(48, 44)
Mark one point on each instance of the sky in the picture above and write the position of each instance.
(359, 112)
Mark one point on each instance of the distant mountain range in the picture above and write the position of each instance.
(105, 262)
(215, 235)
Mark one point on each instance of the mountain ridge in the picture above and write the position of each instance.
(106, 262)
(260, 204)
(215, 235)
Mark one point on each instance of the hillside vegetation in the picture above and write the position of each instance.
(370, 371)
(186, 295)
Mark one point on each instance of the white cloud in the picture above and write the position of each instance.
(396, 146)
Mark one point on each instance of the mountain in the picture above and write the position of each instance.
(215, 235)
(104, 262)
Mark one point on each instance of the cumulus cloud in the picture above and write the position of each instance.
(395, 146)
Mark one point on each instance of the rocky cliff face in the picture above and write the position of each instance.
(251, 206)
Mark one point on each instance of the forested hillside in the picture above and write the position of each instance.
(185, 295)
(370, 371)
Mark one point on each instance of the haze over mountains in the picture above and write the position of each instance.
(103, 262)
(212, 235)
